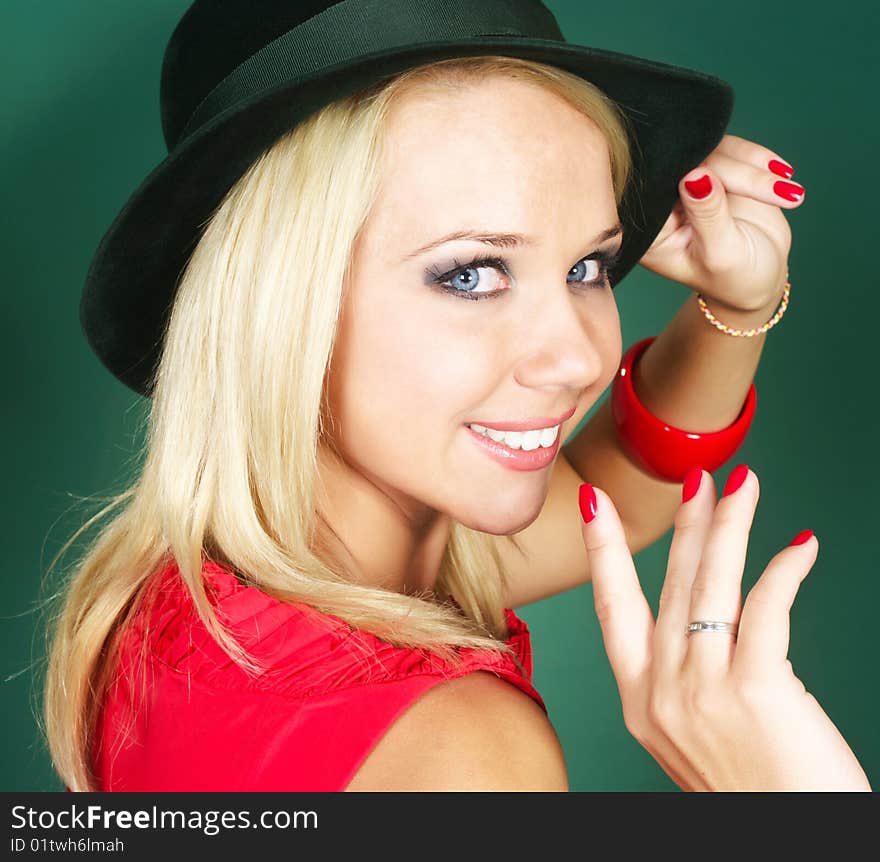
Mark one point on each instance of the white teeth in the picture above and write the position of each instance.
(548, 436)
(525, 440)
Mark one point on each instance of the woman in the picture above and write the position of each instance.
(353, 471)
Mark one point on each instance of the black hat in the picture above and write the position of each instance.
(238, 74)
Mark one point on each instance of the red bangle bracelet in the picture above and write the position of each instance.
(661, 449)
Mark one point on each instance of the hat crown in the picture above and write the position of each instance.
(224, 50)
(210, 40)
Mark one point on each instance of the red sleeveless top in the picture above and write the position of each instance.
(328, 694)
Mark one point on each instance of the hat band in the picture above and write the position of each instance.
(351, 29)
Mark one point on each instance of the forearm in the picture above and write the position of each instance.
(692, 376)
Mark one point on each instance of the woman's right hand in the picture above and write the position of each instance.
(716, 712)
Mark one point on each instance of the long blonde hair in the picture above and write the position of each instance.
(229, 466)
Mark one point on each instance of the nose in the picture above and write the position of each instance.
(564, 343)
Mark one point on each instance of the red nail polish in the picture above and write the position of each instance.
(789, 191)
(587, 502)
(781, 169)
(691, 484)
(700, 188)
(800, 538)
(735, 479)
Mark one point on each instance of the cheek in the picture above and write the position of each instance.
(404, 368)
(433, 379)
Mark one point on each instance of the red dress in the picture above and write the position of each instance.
(329, 694)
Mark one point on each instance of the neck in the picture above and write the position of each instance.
(378, 536)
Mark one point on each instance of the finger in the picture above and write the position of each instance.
(621, 607)
(755, 154)
(716, 594)
(765, 620)
(691, 529)
(755, 181)
(704, 199)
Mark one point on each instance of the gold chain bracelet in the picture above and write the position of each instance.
(750, 332)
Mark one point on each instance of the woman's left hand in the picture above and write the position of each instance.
(732, 245)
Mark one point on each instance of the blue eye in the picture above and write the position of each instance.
(580, 266)
(465, 279)
(475, 278)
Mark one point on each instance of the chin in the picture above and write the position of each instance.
(501, 522)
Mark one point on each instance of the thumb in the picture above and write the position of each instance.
(623, 611)
(705, 203)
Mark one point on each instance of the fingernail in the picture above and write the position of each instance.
(700, 188)
(735, 479)
(587, 502)
(781, 169)
(789, 191)
(800, 538)
(691, 483)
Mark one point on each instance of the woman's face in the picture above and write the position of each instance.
(414, 364)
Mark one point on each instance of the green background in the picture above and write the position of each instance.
(80, 129)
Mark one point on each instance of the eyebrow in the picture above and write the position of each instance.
(500, 240)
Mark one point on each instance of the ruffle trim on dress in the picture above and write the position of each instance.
(304, 651)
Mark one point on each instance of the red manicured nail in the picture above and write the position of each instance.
(700, 188)
(800, 538)
(789, 191)
(587, 502)
(691, 484)
(735, 479)
(781, 169)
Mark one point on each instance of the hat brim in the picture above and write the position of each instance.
(678, 116)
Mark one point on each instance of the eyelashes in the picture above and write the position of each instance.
(607, 261)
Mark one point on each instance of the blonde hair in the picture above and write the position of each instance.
(229, 467)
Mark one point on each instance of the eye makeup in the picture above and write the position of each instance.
(438, 280)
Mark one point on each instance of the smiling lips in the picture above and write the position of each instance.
(526, 456)
(528, 445)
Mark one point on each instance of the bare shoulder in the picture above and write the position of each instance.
(477, 732)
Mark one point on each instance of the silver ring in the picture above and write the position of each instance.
(712, 626)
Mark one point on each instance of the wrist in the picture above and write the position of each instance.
(745, 319)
